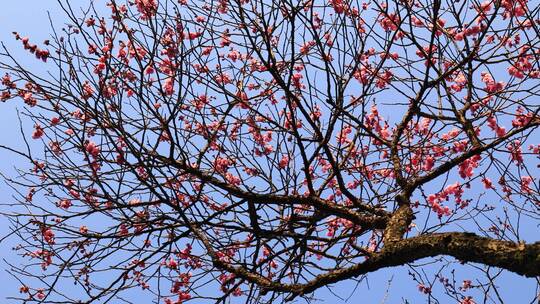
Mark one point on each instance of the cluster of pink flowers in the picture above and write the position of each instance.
(521, 118)
(515, 151)
(283, 162)
(342, 136)
(64, 204)
(334, 224)
(32, 48)
(491, 85)
(525, 184)
(340, 6)
(222, 164)
(147, 8)
(44, 255)
(263, 140)
(91, 148)
(390, 22)
(168, 86)
(435, 200)
(466, 168)
(182, 281)
(514, 8)
(38, 132)
(383, 79)
(459, 82)
(297, 80)
(232, 179)
(467, 300)
(87, 90)
(48, 235)
(182, 297)
(228, 280)
(492, 123)
(304, 49)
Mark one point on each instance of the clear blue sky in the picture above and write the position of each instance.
(29, 17)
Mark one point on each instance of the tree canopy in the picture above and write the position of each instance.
(258, 150)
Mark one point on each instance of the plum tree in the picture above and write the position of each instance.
(262, 149)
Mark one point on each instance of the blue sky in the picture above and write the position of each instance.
(30, 17)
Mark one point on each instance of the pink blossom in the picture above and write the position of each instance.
(147, 8)
(38, 132)
(284, 162)
(525, 184)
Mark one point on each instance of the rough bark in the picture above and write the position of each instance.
(520, 258)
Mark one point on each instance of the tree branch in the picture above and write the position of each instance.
(520, 258)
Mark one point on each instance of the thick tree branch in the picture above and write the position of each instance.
(523, 259)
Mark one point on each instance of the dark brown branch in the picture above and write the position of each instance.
(520, 258)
